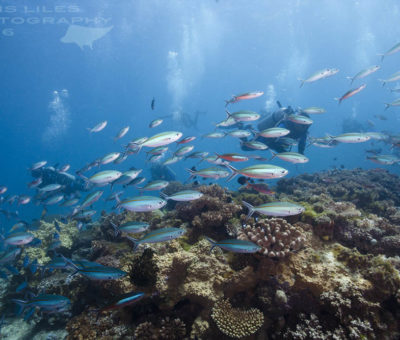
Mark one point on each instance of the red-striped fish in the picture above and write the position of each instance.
(351, 93)
(244, 96)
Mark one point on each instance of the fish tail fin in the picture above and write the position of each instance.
(228, 114)
(89, 129)
(134, 241)
(273, 154)
(301, 82)
(251, 209)
(383, 82)
(72, 264)
(164, 195)
(116, 230)
(339, 100)
(386, 106)
(382, 55)
(255, 133)
(234, 172)
(21, 304)
(192, 174)
(213, 244)
(351, 79)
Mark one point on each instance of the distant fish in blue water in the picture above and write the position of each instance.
(98, 127)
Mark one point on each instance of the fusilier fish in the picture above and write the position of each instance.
(327, 72)
(244, 96)
(104, 177)
(393, 103)
(50, 187)
(351, 137)
(155, 185)
(300, 119)
(234, 245)
(158, 235)
(313, 110)
(391, 51)
(233, 157)
(171, 160)
(292, 157)
(279, 209)
(183, 150)
(213, 172)
(239, 133)
(364, 73)
(183, 196)
(121, 133)
(352, 92)
(158, 151)
(155, 122)
(98, 127)
(134, 227)
(53, 199)
(261, 171)
(244, 116)
(126, 300)
(384, 159)
(163, 138)
(18, 238)
(46, 303)
(142, 203)
(127, 177)
(214, 135)
(38, 165)
(392, 78)
(97, 272)
(255, 145)
(90, 199)
(109, 158)
(186, 140)
(274, 132)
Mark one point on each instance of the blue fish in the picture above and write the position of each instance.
(9, 256)
(3, 275)
(22, 286)
(46, 303)
(234, 245)
(56, 236)
(126, 300)
(98, 272)
(12, 269)
(159, 235)
(33, 267)
(36, 243)
(57, 226)
(26, 261)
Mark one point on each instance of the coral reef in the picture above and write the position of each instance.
(211, 213)
(234, 322)
(276, 236)
(68, 235)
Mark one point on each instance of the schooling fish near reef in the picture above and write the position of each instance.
(158, 235)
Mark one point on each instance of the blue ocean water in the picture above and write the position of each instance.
(190, 56)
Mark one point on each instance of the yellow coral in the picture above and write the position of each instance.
(68, 232)
(234, 322)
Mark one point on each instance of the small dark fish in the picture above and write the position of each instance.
(153, 101)
(124, 301)
(22, 286)
(35, 243)
(26, 261)
(57, 226)
(12, 269)
(33, 267)
(341, 166)
(56, 236)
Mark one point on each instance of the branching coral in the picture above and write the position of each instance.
(234, 322)
(276, 236)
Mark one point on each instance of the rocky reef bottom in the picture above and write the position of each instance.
(331, 272)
